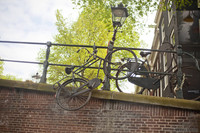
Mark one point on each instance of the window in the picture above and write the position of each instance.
(199, 27)
(165, 68)
(173, 64)
(157, 66)
(163, 30)
(198, 3)
(161, 88)
(197, 54)
(170, 10)
(172, 38)
(165, 61)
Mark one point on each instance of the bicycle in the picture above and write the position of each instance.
(75, 93)
(144, 77)
(134, 70)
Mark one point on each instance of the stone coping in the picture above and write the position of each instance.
(152, 100)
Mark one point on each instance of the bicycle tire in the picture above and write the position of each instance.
(65, 98)
(124, 85)
(113, 61)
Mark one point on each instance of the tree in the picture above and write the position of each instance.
(1, 68)
(137, 8)
(92, 26)
(8, 76)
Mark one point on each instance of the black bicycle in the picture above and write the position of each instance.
(75, 93)
(144, 77)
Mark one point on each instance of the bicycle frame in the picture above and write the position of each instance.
(151, 79)
(89, 63)
(161, 75)
(92, 59)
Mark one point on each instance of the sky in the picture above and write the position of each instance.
(34, 21)
(31, 21)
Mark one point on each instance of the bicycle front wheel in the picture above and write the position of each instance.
(117, 58)
(66, 95)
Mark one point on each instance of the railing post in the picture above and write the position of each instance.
(179, 91)
(106, 85)
(46, 64)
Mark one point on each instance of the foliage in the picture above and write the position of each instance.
(92, 26)
(136, 8)
(1, 67)
(10, 77)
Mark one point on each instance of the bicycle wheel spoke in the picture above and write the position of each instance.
(67, 98)
(124, 85)
(81, 98)
(116, 59)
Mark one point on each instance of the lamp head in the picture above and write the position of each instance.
(119, 15)
(188, 18)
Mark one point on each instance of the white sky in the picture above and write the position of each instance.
(33, 21)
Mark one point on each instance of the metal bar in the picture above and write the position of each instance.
(52, 64)
(32, 62)
(35, 43)
(160, 73)
(74, 45)
(103, 47)
(88, 64)
(88, 46)
(99, 68)
(80, 66)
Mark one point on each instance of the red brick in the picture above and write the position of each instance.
(35, 112)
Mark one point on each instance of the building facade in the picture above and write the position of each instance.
(177, 27)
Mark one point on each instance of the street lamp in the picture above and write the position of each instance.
(119, 15)
(188, 18)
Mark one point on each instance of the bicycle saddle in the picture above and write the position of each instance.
(68, 70)
(144, 54)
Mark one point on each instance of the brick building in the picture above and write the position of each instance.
(177, 27)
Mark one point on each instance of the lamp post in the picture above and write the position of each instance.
(119, 15)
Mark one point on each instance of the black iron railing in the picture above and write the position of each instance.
(49, 44)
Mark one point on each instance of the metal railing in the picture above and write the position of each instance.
(49, 44)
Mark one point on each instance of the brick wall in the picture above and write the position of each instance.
(29, 111)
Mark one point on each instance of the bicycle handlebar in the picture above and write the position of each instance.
(85, 49)
(94, 50)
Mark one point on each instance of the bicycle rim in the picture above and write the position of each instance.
(113, 61)
(65, 98)
(124, 85)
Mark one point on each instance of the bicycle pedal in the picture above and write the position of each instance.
(94, 83)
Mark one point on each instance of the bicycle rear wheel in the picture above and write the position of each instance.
(117, 58)
(66, 97)
(124, 85)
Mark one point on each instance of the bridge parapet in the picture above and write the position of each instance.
(30, 107)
